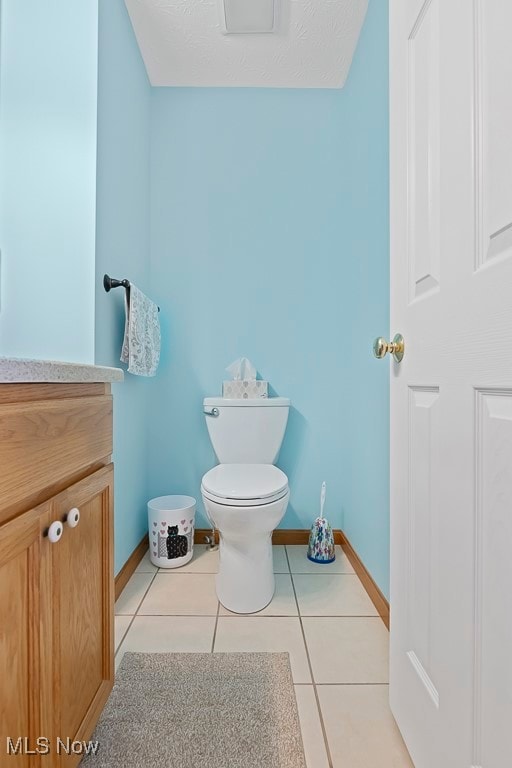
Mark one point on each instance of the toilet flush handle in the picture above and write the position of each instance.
(211, 411)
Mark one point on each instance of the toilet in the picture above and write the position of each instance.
(245, 495)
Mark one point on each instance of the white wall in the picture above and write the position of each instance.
(48, 110)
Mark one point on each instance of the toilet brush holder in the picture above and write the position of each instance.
(321, 542)
(321, 539)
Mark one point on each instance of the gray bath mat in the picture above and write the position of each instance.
(200, 710)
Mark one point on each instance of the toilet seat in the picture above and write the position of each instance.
(244, 485)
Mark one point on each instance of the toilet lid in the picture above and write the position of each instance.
(245, 481)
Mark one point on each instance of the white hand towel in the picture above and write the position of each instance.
(141, 344)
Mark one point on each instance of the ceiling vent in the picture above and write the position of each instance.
(246, 17)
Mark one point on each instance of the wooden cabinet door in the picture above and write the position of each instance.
(83, 609)
(20, 637)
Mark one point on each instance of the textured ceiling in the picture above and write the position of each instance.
(183, 45)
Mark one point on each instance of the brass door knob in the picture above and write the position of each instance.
(396, 347)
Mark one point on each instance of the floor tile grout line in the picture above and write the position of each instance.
(145, 593)
(314, 572)
(340, 616)
(124, 633)
(178, 572)
(174, 615)
(136, 612)
(320, 715)
(339, 685)
(215, 627)
(248, 615)
(294, 615)
(185, 570)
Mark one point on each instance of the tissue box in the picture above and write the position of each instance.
(243, 389)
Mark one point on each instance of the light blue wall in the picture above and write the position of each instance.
(48, 92)
(269, 239)
(122, 246)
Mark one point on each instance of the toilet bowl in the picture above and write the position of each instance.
(245, 495)
(245, 502)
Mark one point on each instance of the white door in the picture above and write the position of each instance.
(451, 396)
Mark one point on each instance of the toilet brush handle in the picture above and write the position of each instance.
(322, 499)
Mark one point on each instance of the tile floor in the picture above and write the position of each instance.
(320, 614)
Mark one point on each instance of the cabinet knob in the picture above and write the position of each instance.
(55, 531)
(73, 517)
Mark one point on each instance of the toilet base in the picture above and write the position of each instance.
(245, 582)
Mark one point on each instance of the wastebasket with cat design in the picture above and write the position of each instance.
(171, 530)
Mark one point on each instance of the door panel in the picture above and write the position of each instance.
(82, 572)
(493, 128)
(20, 708)
(451, 406)
(422, 608)
(493, 618)
(423, 152)
(81, 614)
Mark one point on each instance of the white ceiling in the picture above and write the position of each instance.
(183, 45)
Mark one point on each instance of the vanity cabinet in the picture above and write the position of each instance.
(20, 630)
(56, 581)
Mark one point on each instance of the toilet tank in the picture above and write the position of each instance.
(246, 431)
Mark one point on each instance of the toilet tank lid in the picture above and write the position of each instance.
(254, 402)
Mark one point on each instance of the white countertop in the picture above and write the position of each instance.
(14, 370)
